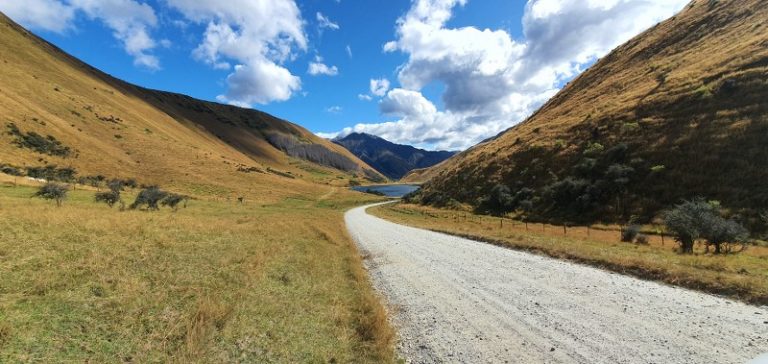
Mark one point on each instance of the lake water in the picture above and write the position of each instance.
(389, 190)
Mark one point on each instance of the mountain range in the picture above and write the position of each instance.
(392, 160)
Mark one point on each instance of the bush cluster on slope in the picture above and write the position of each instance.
(42, 144)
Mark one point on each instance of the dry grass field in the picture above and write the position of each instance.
(266, 281)
(742, 275)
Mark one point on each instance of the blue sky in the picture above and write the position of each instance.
(458, 71)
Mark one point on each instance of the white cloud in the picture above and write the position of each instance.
(257, 37)
(334, 109)
(491, 80)
(349, 51)
(259, 82)
(364, 97)
(406, 103)
(51, 15)
(379, 87)
(324, 22)
(317, 68)
(129, 20)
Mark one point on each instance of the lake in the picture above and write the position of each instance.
(389, 190)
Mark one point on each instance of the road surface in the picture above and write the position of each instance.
(454, 300)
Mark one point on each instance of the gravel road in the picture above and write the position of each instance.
(454, 300)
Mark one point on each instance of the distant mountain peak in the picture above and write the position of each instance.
(392, 160)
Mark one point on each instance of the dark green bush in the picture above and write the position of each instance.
(108, 197)
(719, 231)
(11, 170)
(149, 197)
(629, 233)
(499, 202)
(173, 200)
(52, 173)
(696, 219)
(41, 144)
(53, 191)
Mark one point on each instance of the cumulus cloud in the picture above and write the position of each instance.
(492, 81)
(334, 109)
(129, 20)
(258, 37)
(364, 97)
(323, 22)
(318, 68)
(379, 87)
(51, 15)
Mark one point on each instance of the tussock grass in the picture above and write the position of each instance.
(215, 282)
(742, 276)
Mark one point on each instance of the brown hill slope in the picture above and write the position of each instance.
(677, 112)
(100, 125)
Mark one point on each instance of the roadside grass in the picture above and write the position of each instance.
(215, 282)
(743, 276)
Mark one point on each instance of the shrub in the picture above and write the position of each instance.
(719, 231)
(629, 233)
(150, 197)
(173, 200)
(571, 197)
(499, 202)
(699, 219)
(130, 183)
(684, 222)
(109, 197)
(116, 186)
(642, 239)
(10, 170)
(53, 191)
(594, 149)
(38, 143)
(52, 173)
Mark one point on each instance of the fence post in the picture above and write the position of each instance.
(565, 230)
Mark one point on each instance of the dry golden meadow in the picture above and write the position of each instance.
(277, 281)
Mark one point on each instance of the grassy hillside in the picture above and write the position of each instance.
(104, 126)
(675, 113)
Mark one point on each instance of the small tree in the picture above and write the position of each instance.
(699, 219)
(684, 222)
(719, 231)
(151, 197)
(53, 191)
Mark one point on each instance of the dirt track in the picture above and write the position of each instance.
(456, 300)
